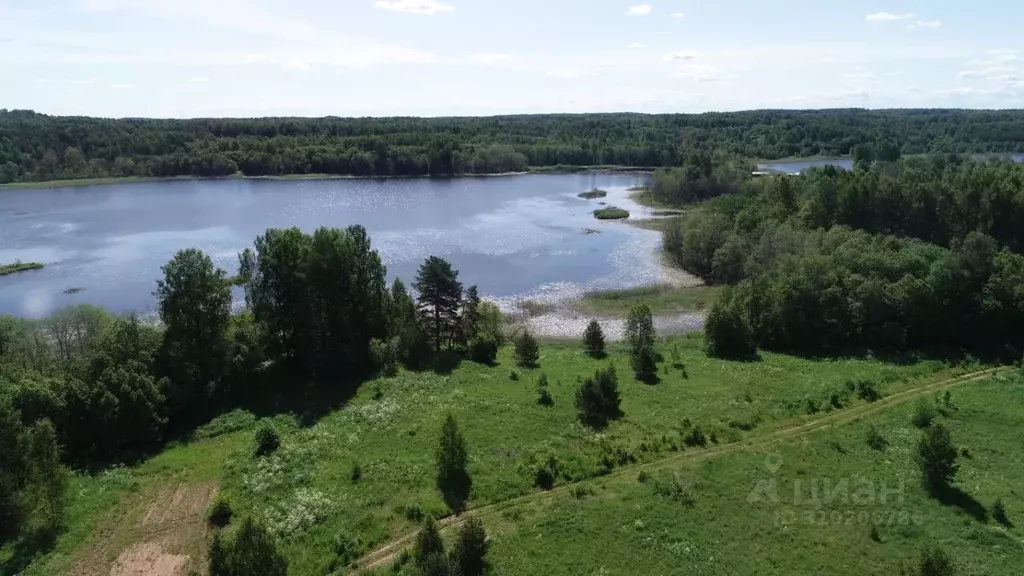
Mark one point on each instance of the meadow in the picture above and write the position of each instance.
(360, 477)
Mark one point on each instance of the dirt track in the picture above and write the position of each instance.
(386, 553)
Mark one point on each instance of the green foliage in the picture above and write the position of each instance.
(428, 551)
(701, 177)
(597, 399)
(611, 213)
(936, 458)
(593, 340)
(356, 474)
(468, 556)
(483, 350)
(543, 394)
(935, 562)
(253, 552)
(8, 269)
(267, 440)
(194, 302)
(452, 478)
(470, 315)
(999, 513)
(527, 350)
(867, 390)
(875, 439)
(924, 413)
(386, 355)
(640, 334)
(591, 195)
(695, 437)
(219, 513)
(669, 486)
(545, 475)
(439, 300)
(491, 323)
(726, 331)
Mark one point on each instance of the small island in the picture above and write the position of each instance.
(6, 269)
(595, 193)
(611, 213)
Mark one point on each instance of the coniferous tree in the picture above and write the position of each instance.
(428, 552)
(439, 299)
(527, 350)
(468, 556)
(640, 334)
(452, 478)
(593, 340)
(471, 315)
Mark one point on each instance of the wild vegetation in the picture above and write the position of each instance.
(7, 269)
(611, 213)
(913, 254)
(36, 147)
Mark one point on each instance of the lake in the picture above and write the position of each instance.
(516, 237)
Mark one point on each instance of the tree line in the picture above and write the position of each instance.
(918, 253)
(38, 147)
(85, 388)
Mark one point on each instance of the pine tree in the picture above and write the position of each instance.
(254, 553)
(469, 553)
(593, 340)
(470, 315)
(452, 478)
(439, 299)
(428, 552)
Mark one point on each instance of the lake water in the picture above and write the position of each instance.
(516, 236)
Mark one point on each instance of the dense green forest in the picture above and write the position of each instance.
(923, 252)
(37, 147)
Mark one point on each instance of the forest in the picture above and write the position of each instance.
(919, 253)
(37, 147)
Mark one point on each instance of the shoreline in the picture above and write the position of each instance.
(117, 180)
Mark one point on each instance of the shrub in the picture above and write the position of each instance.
(267, 440)
(727, 334)
(669, 486)
(597, 399)
(483, 350)
(544, 477)
(999, 513)
(876, 440)
(346, 548)
(385, 355)
(593, 340)
(580, 491)
(695, 437)
(513, 375)
(219, 513)
(875, 534)
(527, 350)
(543, 395)
(413, 512)
(935, 562)
(643, 477)
(357, 473)
(611, 213)
(924, 413)
(867, 390)
(469, 551)
(936, 457)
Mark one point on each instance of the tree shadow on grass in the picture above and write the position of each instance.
(446, 362)
(955, 497)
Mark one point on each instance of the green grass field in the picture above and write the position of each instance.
(662, 299)
(306, 494)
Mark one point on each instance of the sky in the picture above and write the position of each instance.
(241, 58)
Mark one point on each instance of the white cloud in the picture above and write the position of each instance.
(678, 15)
(299, 65)
(428, 7)
(120, 86)
(198, 80)
(1000, 72)
(929, 23)
(679, 55)
(887, 17)
(635, 45)
(698, 73)
(641, 10)
(491, 59)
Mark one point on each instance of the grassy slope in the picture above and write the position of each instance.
(662, 299)
(723, 532)
(305, 492)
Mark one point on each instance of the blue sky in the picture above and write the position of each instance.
(186, 58)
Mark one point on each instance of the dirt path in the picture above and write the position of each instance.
(386, 553)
